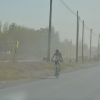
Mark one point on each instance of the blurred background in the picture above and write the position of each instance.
(27, 21)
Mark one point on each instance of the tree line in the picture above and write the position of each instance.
(35, 42)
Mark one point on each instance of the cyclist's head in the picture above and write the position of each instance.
(57, 51)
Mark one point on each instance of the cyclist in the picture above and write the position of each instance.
(58, 58)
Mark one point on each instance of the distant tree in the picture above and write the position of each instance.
(35, 42)
(5, 27)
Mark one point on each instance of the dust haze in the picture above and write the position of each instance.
(33, 43)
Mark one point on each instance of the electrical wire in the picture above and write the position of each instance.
(87, 27)
(68, 7)
(95, 34)
(76, 15)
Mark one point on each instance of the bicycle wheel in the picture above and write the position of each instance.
(57, 74)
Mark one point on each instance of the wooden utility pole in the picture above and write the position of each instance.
(70, 49)
(77, 36)
(15, 53)
(49, 35)
(90, 42)
(13, 37)
(83, 42)
(98, 46)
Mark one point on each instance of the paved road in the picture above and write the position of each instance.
(79, 85)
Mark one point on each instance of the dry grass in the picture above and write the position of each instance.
(15, 70)
(9, 75)
(49, 65)
(9, 72)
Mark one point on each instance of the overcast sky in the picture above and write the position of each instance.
(35, 14)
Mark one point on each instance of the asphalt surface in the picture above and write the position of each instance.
(78, 85)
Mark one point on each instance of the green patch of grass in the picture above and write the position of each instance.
(9, 72)
(9, 75)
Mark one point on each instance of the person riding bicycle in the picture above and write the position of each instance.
(58, 58)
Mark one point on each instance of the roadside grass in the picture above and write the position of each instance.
(9, 72)
(9, 75)
(64, 65)
(16, 71)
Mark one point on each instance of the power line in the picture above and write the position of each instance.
(81, 20)
(95, 34)
(87, 27)
(84, 24)
(68, 7)
(72, 12)
(76, 15)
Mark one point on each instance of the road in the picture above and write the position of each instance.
(78, 85)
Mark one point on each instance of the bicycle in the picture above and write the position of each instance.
(56, 69)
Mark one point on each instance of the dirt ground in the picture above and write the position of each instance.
(14, 73)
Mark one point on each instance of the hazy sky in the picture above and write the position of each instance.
(35, 14)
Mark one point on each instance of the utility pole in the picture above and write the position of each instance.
(98, 46)
(49, 35)
(70, 49)
(13, 38)
(82, 41)
(90, 42)
(77, 36)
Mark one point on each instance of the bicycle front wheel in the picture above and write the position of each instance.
(57, 71)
